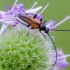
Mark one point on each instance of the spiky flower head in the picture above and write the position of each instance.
(25, 50)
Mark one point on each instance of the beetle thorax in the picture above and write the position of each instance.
(43, 28)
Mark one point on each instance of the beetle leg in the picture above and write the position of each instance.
(27, 25)
(41, 19)
(35, 16)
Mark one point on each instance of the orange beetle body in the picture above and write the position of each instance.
(30, 21)
(37, 24)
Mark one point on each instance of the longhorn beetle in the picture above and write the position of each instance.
(34, 23)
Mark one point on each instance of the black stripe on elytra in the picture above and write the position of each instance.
(30, 20)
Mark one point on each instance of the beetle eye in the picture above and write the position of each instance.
(47, 30)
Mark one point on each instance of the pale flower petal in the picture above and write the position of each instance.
(61, 61)
(3, 28)
(2, 13)
(33, 11)
(10, 22)
(2, 20)
(39, 16)
(51, 23)
(8, 8)
(19, 6)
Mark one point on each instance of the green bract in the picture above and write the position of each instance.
(24, 50)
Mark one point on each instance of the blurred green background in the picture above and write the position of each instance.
(57, 10)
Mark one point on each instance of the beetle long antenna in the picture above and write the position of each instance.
(53, 44)
(21, 22)
(44, 21)
(13, 20)
(63, 30)
(34, 5)
(43, 35)
(54, 48)
(23, 11)
(14, 5)
(44, 9)
(60, 30)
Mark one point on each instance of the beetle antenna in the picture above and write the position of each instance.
(23, 11)
(44, 9)
(54, 47)
(21, 22)
(14, 5)
(62, 30)
(53, 44)
(43, 35)
(44, 21)
(34, 5)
